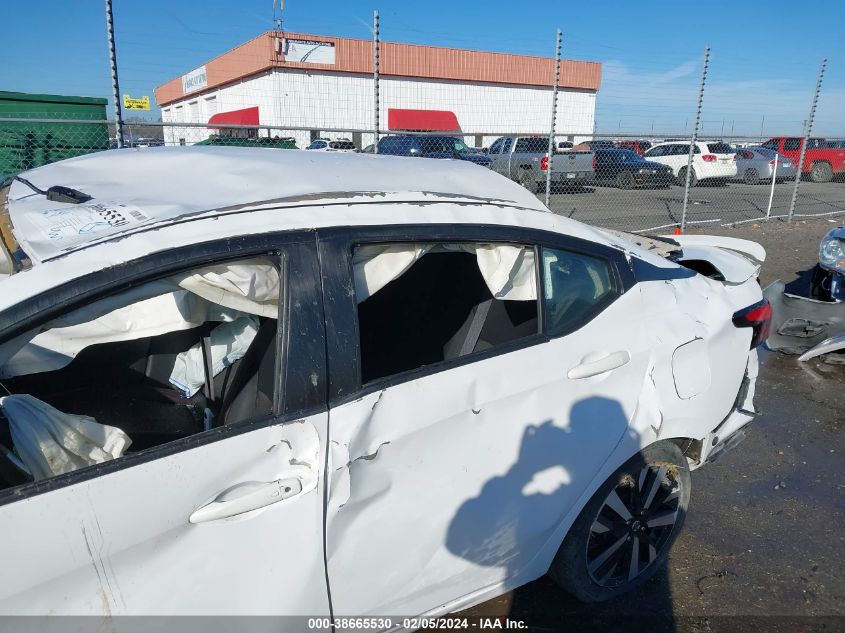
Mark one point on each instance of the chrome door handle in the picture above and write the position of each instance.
(599, 366)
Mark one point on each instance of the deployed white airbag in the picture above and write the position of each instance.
(217, 293)
(229, 342)
(507, 270)
(251, 286)
(50, 442)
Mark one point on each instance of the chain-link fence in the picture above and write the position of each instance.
(504, 112)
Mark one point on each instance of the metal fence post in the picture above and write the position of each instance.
(554, 116)
(808, 128)
(118, 119)
(694, 137)
(375, 82)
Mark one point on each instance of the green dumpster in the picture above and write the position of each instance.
(24, 144)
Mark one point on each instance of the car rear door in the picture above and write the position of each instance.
(226, 521)
(455, 477)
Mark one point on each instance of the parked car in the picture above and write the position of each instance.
(511, 392)
(430, 147)
(640, 147)
(712, 160)
(627, 169)
(760, 164)
(828, 283)
(275, 142)
(518, 158)
(570, 168)
(326, 145)
(821, 163)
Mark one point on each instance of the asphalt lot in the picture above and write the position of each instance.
(763, 547)
(646, 208)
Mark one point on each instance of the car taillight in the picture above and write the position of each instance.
(736, 157)
(759, 318)
(709, 158)
(544, 163)
(594, 162)
(772, 162)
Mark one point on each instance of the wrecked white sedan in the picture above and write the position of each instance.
(241, 381)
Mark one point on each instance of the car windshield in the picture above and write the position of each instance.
(720, 148)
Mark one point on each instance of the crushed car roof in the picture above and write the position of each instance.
(135, 189)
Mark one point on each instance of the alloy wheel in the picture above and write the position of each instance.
(633, 525)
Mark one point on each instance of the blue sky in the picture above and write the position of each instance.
(764, 60)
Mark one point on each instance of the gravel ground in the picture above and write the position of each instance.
(710, 205)
(765, 534)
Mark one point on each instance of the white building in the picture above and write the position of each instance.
(308, 86)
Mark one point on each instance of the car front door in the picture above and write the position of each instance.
(224, 521)
(452, 473)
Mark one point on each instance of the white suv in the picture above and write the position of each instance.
(712, 160)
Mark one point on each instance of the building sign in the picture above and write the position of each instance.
(194, 80)
(309, 51)
(136, 104)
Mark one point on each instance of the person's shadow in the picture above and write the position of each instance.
(514, 515)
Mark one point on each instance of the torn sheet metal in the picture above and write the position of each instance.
(748, 249)
(828, 346)
(800, 324)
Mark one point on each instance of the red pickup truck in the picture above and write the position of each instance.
(821, 162)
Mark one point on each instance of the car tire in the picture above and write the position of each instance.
(625, 180)
(602, 554)
(751, 177)
(821, 172)
(682, 177)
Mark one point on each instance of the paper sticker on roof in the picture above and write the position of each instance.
(51, 231)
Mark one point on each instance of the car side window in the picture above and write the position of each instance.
(496, 146)
(421, 304)
(792, 144)
(576, 287)
(654, 152)
(151, 365)
(506, 146)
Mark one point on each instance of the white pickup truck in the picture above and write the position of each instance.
(524, 159)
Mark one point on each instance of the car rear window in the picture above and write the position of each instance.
(532, 145)
(720, 148)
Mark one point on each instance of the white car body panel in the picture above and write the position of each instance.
(121, 543)
(400, 459)
(416, 470)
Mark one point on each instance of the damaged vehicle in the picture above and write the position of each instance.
(813, 326)
(234, 382)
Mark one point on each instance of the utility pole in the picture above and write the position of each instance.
(118, 118)
(694, 137)
(808, 129)
(554, 117)
(375, 81)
